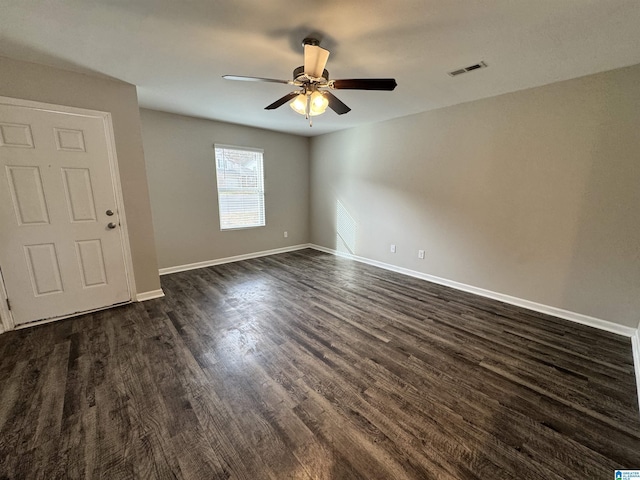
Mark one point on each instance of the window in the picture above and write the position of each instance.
(240, 176)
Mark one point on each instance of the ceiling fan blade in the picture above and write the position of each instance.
(336, 104)
(255, 79)
(387, 84)
(282, 101)
(315, 59)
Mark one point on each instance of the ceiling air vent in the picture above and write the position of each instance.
(470, 68)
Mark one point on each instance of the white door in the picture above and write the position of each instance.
(61, 248)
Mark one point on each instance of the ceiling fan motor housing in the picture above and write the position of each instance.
(298, 75)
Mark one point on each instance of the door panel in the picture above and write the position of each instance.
(25, 184)
(79, 194)
(44, 271)
(15, 135)
(57, 253)
(91, 262)
(69, 140)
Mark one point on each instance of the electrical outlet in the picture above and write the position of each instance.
(421, 254)
(393, 249)
(286, 234)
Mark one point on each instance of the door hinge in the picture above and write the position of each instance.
(8, 304)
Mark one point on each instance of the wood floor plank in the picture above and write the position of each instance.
(309, 366)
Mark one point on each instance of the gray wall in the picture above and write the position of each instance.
(533, 194)
(182, 183)
(51, 85)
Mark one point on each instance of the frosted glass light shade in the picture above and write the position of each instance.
(318, 104)
(299, 104)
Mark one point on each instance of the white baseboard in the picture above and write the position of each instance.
(519, 302)
(150, 295)
(236, 258)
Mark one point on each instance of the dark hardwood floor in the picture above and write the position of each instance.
(308, 366)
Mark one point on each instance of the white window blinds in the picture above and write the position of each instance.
(240, 176)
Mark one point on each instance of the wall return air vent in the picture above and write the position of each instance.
(470, 68)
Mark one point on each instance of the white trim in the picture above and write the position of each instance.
(236, 258)
(117, 190)
(635, 346)
(150, 295)
(5, 316)
(237, 147)
(520, 302)
(6, 319)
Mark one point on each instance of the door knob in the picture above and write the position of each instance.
(111, 225)
(109, 212)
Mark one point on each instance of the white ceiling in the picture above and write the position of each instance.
(176, 51)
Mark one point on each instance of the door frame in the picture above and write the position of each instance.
(6, 318)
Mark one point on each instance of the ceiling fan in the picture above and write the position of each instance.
(313, 98)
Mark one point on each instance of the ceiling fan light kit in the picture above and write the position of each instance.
(311, 77)
(310, 104)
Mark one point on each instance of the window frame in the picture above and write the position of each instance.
(260, 189)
